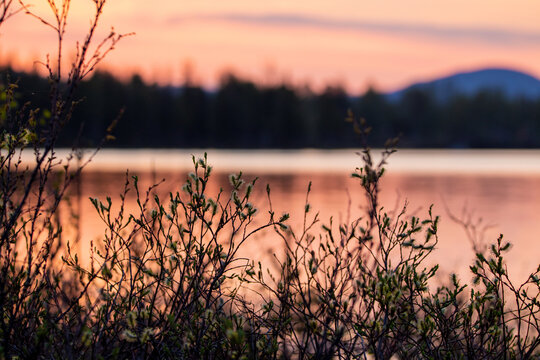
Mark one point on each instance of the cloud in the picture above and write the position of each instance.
(485, 35)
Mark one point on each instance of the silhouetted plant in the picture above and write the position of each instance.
(165, 279)
(33, 290)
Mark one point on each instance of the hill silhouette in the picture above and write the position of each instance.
(511, 84)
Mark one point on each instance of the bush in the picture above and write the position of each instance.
(167, 282)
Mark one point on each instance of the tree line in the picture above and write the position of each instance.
(243, 114)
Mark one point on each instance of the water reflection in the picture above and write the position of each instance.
(511, 204)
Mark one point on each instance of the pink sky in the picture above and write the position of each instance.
(388, 44)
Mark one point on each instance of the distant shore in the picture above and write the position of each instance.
(495, 161)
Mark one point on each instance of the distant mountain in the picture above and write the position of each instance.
(513, 84)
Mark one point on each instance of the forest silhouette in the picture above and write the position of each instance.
(243, 114)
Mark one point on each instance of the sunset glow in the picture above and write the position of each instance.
(356, 43)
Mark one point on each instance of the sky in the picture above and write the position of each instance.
(385, 44)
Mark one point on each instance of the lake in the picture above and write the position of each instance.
(498, 190)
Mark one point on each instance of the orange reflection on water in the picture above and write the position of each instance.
(509, 204)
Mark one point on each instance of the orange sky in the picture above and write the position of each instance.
(387, 43)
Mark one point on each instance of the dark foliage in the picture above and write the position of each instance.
(240, 114)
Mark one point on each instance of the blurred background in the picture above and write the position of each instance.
(244, 74)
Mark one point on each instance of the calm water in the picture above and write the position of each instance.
(502, 188)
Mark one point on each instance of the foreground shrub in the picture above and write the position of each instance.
(362, 290)
(167, 281)
(164, 281)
